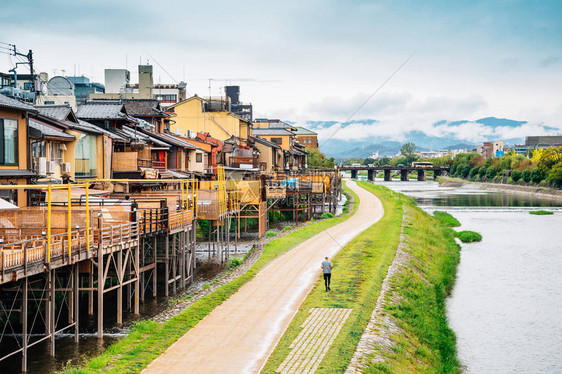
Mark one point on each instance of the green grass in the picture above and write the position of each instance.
(234, 262)
(359, 269)
(446, 219)
(541, 212)
(326, 215)
(469, 236)
(148, 339)
(424, 343)
(270, 234)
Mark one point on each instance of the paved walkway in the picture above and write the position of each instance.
(239, 335)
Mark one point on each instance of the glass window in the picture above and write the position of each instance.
(85, 155)
(8, 141)
(56, 152)
(199, 157)
(277, 140)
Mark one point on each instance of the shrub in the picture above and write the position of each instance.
(491, 173)
(453, 169)
(446, 219)
(465, 171)
(537, 175)
(270, 233)
(234, 262)
(287, 228)
(509, 180)
(327, 215)
(543, 183)
(473, 172)
(469, 236)
(526, 175)
(482, 171)
(541, 212)
(516, 175)
(206, 286)
(555, 176)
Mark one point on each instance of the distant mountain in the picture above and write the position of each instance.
(491, 128)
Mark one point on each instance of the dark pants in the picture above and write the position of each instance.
(327, 278)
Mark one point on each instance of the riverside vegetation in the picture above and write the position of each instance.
(149, 339)
(425, 343)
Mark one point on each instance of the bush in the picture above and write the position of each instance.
(541, 212)
(446, 219)
(234, 262)
(543, 183)
(327, 215)
(465, 171)
(482, 172)
(473, 172)
(469, 236)
(537, 175)
(491, 173)
(270, 233)
(526, 175)
(509, 180)
(516, 175)
(287, 228)
(453, 169)
(555, 176)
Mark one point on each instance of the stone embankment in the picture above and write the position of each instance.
(539, 192)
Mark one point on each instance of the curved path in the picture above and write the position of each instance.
(240, 334)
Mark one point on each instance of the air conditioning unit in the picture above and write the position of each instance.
(51, 167)
(42, 166)
(191, 134)
(65, 167)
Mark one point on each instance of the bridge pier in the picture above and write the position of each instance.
(387, 176)
(421, 175)
(404, 175)
(436, 174)
(353, 174)
(371, 175)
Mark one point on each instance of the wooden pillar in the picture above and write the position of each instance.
(100, 292)
(137, 282)
(24, 325)
(52, 320)
(120, 286)
(155, 272)
(76, 302)
(91, 289)
(167, 267)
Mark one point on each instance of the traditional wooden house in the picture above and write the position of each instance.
(15, 163)
(270, 158)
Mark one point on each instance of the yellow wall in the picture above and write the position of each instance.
(286, 140)
(189, 115)
(22, 150)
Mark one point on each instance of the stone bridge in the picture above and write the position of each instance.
(404, 171)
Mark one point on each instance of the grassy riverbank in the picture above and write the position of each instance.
(148, 339)
(359, 269)
(423, 342)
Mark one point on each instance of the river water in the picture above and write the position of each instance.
(506, 306)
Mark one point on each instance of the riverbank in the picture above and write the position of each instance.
(150, 338)
(404, 321)
(539, 192)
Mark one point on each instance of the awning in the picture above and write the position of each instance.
(39, 130)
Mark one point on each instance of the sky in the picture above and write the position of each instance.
(318, 60)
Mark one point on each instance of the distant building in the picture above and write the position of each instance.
(432, 154)
(543, 141)
(83, 88)
(60, 91)
(118, 86)
(236, 107)
(491, 149)
(306, 137)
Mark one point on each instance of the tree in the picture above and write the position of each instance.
(317, 158)
(408, 150)
(555, 176)
(516, 175)
(526, 175)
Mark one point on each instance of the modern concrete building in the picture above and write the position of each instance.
(543, 141)
(83, 88)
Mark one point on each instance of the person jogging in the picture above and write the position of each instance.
(327, 270)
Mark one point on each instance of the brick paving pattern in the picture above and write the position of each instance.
(309, 348)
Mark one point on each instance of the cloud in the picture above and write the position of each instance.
(550, 60)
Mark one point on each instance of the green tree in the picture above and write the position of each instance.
(516, 175)
(482, 171)
(526, 175)
(555, 176)
(407, 151)
(317, 158)
(474, 172)
(537, 175)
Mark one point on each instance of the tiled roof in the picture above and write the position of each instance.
(277, 131)
(142, 107)
(58, 112)
(49, 132)
(131, 133)
(303, 131)
(266, 142)
(101, 111)
(8, 102)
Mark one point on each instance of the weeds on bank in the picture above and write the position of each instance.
(148, 340)
(425, 342)
(469, 236)
(541, 212)
(359, 269)
(446, 219)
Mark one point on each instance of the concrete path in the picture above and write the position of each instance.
(240, 334)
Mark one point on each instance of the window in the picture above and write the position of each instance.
(86, 156)
(199, 157)
(56, 152)
(49, 102)
(277, 140)
(8, 141)
(38, 148)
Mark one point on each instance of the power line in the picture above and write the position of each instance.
(370, 97)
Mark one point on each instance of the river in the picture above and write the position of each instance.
(506, 306)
